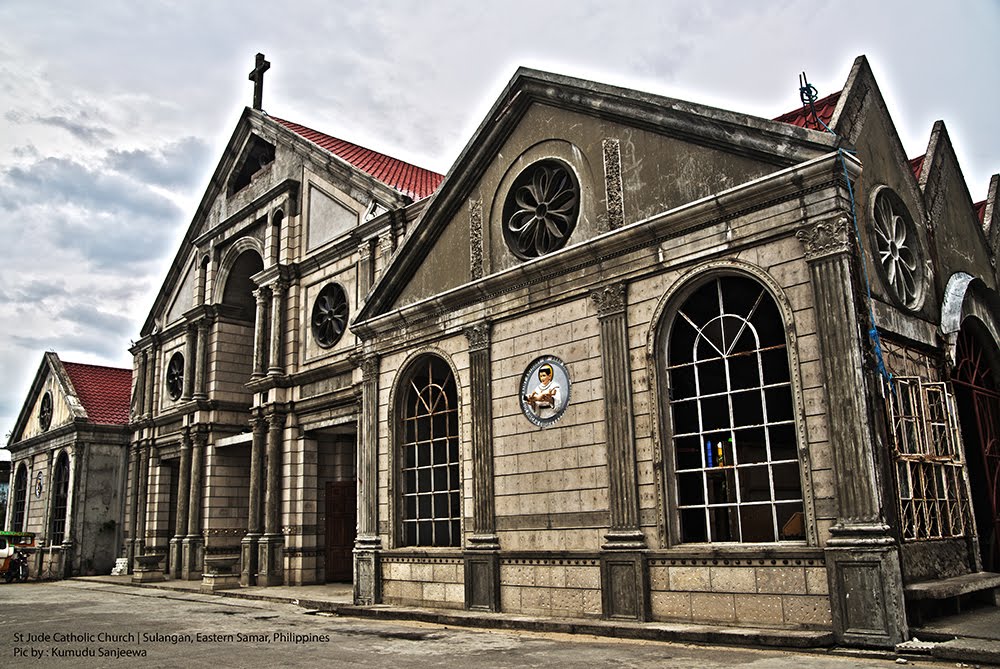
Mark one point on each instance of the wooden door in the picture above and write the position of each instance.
(341, 525)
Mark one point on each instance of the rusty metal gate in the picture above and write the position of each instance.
(976, 388)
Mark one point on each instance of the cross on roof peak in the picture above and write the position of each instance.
(257, 77)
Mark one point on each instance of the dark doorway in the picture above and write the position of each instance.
(978, 397)
(341, 522)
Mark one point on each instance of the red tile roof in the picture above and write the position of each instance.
(803, 116)
(917, 165)
(409, 179)
(980, 208)
(105, 392)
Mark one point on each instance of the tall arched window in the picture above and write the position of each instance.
(20, 498)
(431, 481)
(60, 493)
(734, 441)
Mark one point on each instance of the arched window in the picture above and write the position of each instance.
(431, 483)
(60, 493)
(20, 498)
(734, 442)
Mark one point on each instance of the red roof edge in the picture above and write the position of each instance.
(917, 165)
(105, 392)
(980, 208)
(407, 178)
(803, 116)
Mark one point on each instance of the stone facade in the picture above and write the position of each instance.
(68, 462)
(646, 249)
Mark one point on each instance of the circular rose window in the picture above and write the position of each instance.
(175, 376)
(541, 209)
(897, 248)
(329, 315)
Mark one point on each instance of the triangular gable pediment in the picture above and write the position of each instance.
(634, 155)
(262, 156)
(51, 387)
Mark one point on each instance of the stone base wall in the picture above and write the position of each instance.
(433, 582)
(747, 592)
(553, 587)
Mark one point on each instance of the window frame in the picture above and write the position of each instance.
(666, 317)
(403, 396)
(60, 499)
(19, 500)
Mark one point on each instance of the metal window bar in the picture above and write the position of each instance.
(721, 468)
(430, 472)
(60, 491)
(20, 499)
(930, 472)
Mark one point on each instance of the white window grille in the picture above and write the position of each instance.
(930, 471)
(734, 438)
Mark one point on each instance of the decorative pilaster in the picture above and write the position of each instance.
(623, 564)
(140, 530)
(133, 548)
(270, 546)
(385, 249)
(278, 290)
(77, 453)
(194, 542)
(190, 358)
(862, 558)
(366, 267)
(262, 295)
(624, 489)
(482, 571)
(151, 377)
(249, 544)
(139, 389)
(201, 361)
(181, 518)
(476, 238)
(613, 183)
(367, 543)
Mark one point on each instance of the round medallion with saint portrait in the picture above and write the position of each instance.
(544, 393)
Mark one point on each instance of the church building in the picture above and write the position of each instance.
(633, 358)
(68, 452)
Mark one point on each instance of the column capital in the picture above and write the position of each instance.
(262, 295)
(610, 299)
(478, 335)
(826, 237)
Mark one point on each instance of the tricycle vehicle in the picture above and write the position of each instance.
(13, 555)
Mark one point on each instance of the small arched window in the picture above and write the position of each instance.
(20, 499)
(60, 495)
(431, 481)
(735, 453)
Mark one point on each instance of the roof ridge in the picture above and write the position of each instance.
(87, 364)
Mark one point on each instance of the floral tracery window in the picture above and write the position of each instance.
(897, 248)
(45, 411)
(541, 209)
(175, 376)
(329, 315)
(736, 464)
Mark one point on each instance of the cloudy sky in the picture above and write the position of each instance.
(114, 113)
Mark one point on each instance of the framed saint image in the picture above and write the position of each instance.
(544, 391)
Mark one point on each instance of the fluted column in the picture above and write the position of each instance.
(262, 296)
(201, 360)
(270, 549)
(249, 544)
(862, 558)
(133, 548)
(181, 517)
(194, 541)
(483, 512)
(140, 530)
(190, 356)
(367, 543)
(624, 488)
(278, 290)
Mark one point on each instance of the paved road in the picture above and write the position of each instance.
(78, 624)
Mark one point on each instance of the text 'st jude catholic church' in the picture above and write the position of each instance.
(632, 358)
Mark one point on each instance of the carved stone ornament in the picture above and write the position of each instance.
(826, 237)
(175, 376)
(896, 247)
(476, 238)
(478, 335)
(369, 367)
(613, 183)
(610, 300)
(541, 209)
(329, 315)
(45, 411)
